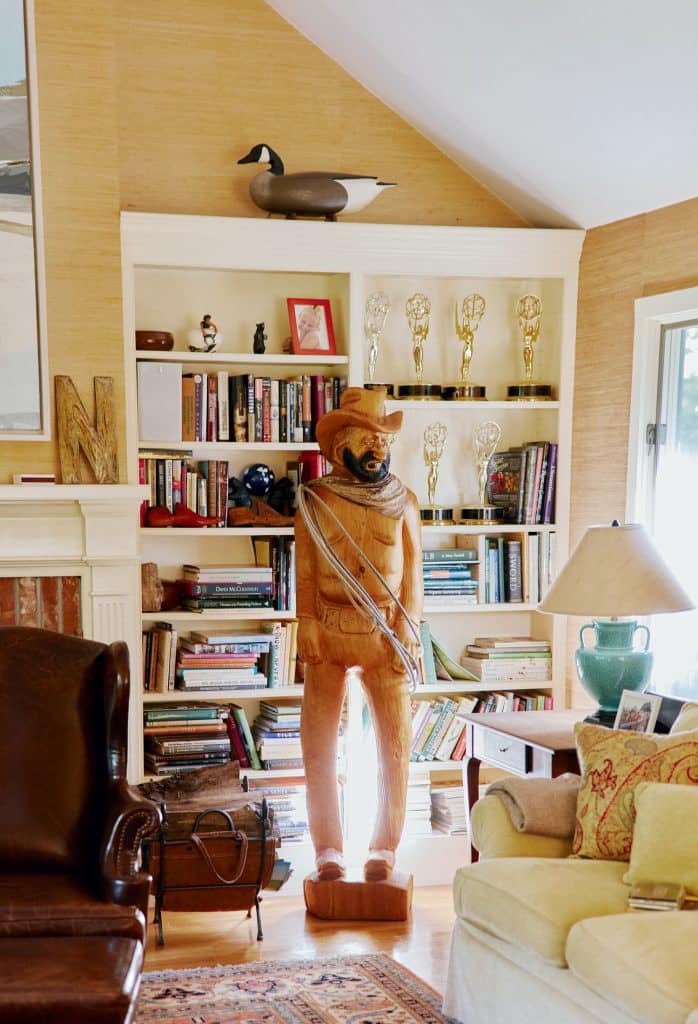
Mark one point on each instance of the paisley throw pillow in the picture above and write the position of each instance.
(613, 762)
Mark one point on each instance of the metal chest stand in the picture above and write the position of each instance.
(223, 869)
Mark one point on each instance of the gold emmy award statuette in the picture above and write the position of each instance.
(375, 314)
(485, 440)
(528, 310)
(434, 442)
(472, 312)
(417, 310)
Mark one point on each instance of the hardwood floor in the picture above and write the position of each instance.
(202, 940)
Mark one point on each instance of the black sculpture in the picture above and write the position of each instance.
(259, 339)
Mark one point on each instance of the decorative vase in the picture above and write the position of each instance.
(613, 665)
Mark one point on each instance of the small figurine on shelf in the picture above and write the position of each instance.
(207, 338)
(259, 339)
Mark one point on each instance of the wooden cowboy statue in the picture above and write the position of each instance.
(359, 604)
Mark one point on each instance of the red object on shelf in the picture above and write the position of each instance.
(159, 515)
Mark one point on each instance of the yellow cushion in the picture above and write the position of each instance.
(644, 963)
(686, 719)
(665, 838)
(613, 762)
(532, 902)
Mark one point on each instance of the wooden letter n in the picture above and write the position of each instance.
(75, 432)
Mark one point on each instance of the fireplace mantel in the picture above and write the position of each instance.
(84, 530)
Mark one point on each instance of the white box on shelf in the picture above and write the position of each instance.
(160, 401)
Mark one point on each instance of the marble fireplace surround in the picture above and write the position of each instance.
(84, 530)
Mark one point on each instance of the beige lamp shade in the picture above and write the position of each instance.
(616, 571)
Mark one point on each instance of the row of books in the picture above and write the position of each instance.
(448, 573)
(244, 407)
(438, 728)
(173, 478)
(286, 797)
(521, 480)
(518, 569)
(220, 659)
(193, 736)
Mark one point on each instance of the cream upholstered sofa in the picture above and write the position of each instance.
(544, 937)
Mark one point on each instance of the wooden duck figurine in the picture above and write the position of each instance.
(308, 193)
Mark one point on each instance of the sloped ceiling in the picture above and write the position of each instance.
(576, 114)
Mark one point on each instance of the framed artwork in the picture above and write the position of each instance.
(23, 363)
(312, 332)
(637, 712)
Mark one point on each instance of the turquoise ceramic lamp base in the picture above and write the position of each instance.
(613, 665)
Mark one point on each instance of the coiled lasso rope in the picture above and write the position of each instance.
(308, 503)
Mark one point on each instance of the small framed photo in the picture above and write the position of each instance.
(637, 712)
(312, 332)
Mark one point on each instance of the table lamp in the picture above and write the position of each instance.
(614, 575)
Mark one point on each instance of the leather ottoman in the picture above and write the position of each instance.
(69, 980)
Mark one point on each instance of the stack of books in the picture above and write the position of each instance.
(222, 661)
(448, 573)
(657, 896)
(509, 659)
(448, 808)
(418, 807)
(226, 586)
(180, 739)
(278, 739)
(276, 731)
(287, 799)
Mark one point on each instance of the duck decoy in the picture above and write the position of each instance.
(308, 193)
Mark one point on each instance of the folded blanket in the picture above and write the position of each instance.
(544, 807)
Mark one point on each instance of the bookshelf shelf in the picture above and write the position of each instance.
(274, 773)
(477, 531)
(218, 615)
(463, 686)
(486, 609)
(240, 359)
(475, 407)
(186, 697)
(214, 448)
(435, 767)
(201, 533)
(243, 270)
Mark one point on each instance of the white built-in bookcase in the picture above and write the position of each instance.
(175, 268)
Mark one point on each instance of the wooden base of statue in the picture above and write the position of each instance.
(345, 899)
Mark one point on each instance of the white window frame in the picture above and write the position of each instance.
(651, 316)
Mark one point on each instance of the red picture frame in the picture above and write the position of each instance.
(312, 331)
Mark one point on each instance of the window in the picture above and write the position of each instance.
(663, 468)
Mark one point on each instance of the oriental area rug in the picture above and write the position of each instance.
(339, 990)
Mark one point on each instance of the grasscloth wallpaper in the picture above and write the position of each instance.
(149, 107)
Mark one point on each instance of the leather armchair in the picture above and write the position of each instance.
(70, 825)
